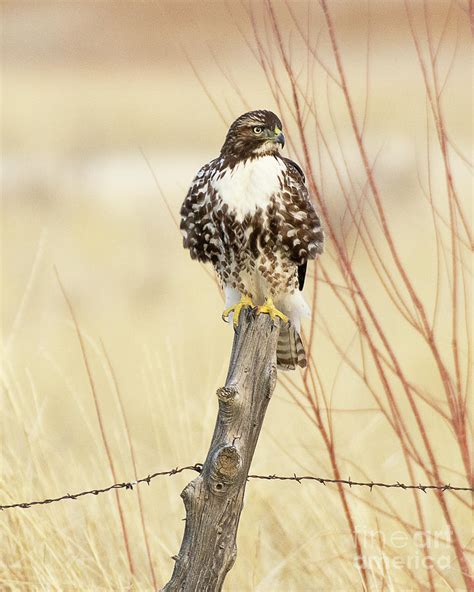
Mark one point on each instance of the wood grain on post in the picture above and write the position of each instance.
(214, 500)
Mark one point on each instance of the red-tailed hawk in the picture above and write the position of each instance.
(249, 213)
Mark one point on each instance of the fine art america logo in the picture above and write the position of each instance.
(401, 550)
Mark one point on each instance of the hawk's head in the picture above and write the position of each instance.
(256, 133)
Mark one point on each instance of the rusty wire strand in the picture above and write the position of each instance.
(198, 467)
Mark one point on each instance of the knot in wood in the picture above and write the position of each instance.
(227, 394)
(225, 468)
(227, 462)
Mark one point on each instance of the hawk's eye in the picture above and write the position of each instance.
(257, 130)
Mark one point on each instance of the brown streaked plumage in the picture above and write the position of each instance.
(248, 212)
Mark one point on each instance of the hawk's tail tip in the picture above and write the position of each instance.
(290, 350)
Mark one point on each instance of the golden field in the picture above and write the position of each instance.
(108, 110)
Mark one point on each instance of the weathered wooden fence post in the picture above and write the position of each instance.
(214, 500)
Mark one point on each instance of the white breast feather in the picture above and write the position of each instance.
(249, 185)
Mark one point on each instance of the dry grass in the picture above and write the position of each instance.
(121, 382)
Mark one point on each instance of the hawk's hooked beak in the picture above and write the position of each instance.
(279, 137)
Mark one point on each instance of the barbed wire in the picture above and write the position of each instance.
(198, 468)
(127, 485)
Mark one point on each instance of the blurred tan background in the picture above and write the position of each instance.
(108, 110)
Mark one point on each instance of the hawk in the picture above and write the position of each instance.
(249, 213)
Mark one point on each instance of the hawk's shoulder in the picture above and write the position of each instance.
(294, 169)
(196, 214)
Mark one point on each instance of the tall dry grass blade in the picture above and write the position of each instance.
(133, 459)
(100, 422)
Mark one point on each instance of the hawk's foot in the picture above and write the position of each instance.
(269, 308)
(245, 302)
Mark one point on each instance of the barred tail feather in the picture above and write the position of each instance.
(290, 350)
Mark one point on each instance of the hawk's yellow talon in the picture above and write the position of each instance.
(245, 301)
(269, 308)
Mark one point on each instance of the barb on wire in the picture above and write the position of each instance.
(198, 468)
